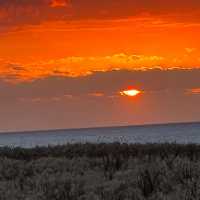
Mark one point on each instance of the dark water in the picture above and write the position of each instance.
(179, 133)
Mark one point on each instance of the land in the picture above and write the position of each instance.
(101, 172)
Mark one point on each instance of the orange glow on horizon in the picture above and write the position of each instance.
(130, 93)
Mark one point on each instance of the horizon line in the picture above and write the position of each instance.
(98, 127)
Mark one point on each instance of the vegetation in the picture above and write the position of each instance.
(101, 172)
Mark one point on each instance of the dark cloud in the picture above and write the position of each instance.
(122, 8)
(13, 12)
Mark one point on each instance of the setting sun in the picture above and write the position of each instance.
(131, 93)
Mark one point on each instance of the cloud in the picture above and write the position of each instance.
(190, 50)
(96, 94)
(19, 13)
(59, 3)
(76, 66)
(193, 91)
(84, 66)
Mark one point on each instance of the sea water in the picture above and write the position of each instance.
(179, 133)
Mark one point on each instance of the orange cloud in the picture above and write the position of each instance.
(194, 91)
(77, 66)
(83, 66)
(190, 50)
(96, 94)
(59, 3)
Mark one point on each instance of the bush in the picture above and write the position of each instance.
(101, 172)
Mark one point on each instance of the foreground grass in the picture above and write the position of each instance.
(101, 172)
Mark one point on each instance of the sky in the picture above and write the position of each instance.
(65, 63)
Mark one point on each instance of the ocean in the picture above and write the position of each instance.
(179, 133)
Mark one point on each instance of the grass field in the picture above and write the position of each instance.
(101, 172)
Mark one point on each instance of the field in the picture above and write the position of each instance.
(101, 172)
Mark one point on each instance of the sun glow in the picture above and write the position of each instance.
(131, 93)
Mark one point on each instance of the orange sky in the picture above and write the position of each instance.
(84, 46)
(77, 37)
(43, 39)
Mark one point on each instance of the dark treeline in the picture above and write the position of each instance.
(101, 172)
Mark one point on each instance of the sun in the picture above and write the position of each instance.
(130, 93)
